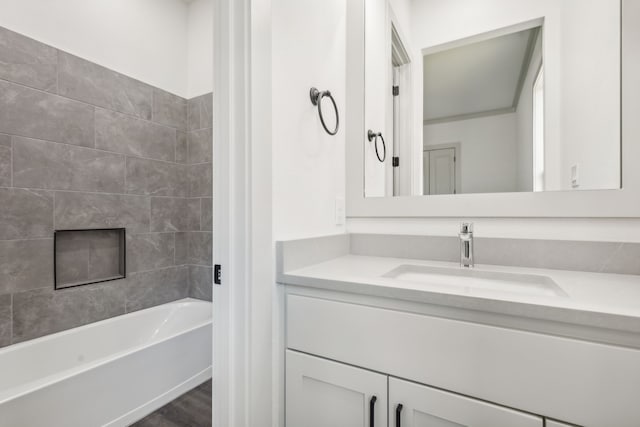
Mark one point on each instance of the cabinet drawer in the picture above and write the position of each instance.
(427, 407)
(580, 382)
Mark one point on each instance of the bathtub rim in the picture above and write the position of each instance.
(29, 387)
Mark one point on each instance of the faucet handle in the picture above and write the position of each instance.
(466, 227)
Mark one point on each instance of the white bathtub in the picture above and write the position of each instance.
(109, 373)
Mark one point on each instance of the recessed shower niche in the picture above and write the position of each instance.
(83, 257)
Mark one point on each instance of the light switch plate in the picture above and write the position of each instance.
(575, 178)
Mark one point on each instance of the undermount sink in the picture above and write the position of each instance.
(481, 280)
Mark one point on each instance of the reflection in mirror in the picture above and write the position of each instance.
(481, 97)
(478, 115)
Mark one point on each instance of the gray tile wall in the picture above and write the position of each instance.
(82, 146)
(199, 154)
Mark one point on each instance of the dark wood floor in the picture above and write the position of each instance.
(192, 409)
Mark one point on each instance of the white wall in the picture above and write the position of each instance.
(378, 108)
(402, 11)
(582, 74)
(144, 39)
(309, 49)
(488, 157)
(199, 48)
(590, 85)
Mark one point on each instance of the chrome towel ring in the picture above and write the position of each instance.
(374, 137)
(316, 99)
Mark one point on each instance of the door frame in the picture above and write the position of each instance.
(406, 149)
(457, 146)
(243, 244)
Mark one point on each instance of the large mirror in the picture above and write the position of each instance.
(491, 96)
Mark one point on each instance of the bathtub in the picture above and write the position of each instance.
(108, 373)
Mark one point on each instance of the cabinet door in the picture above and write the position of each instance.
(321, 393)
(427, 407)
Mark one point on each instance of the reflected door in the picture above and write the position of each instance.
(440, 171)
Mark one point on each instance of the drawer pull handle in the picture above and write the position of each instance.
(398, 415)
(372, 411)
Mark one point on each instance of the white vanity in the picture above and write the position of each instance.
(367, 345)
(383, 337)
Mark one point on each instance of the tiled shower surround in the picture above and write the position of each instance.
(84, 147)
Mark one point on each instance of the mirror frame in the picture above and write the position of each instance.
(621, 203)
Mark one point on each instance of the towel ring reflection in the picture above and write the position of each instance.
(316, 99)
(374, 137)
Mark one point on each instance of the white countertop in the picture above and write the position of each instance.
(610, 301)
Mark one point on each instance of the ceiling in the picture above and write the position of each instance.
(478, 79)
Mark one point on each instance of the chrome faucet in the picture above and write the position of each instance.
(466, 245)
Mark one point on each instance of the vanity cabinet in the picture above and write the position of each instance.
(321, 393)
(470, 371)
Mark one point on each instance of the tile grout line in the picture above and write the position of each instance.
(188, 280)
(153, 270)
(11, 153)
(53, 212)
(189, 149)
(149, 214)
(57, 71)
(11, 338)
(66, 144)
(27, 239)
(57, 94)
(97, 193)
(175, 148)
(153, 100)
(175, 251)
(201, 213)
(95, 128)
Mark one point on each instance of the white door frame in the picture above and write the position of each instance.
(243, 245)
(404, 148)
